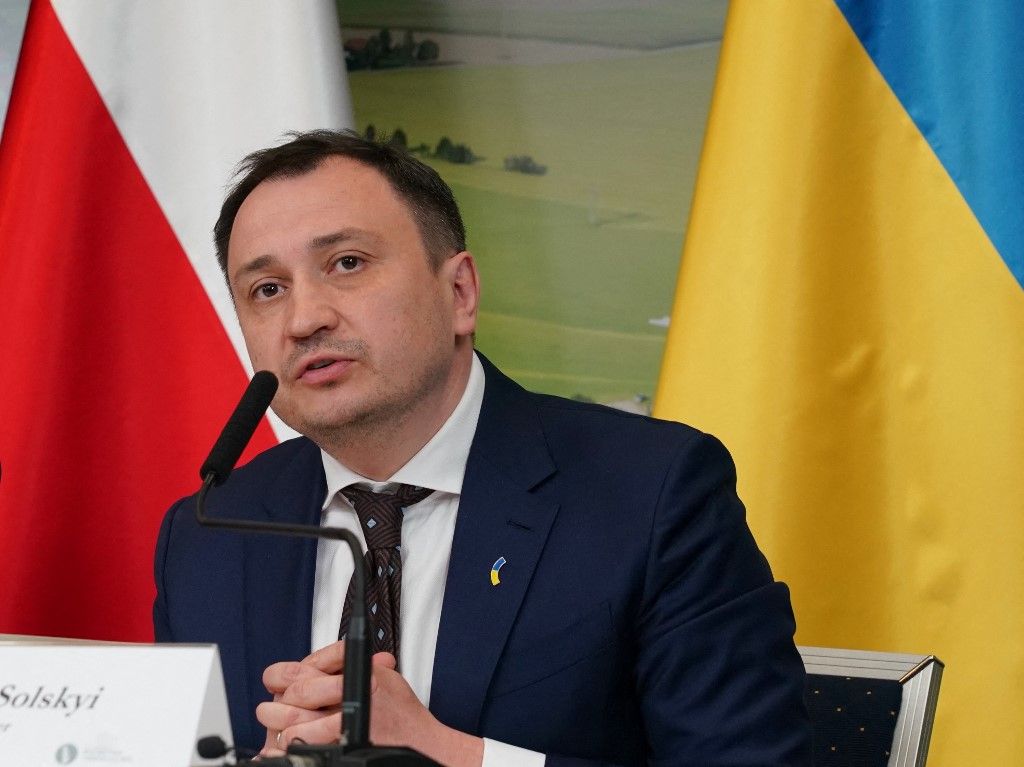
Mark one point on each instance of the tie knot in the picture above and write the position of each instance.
(380, 514)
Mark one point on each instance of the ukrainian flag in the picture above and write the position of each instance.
(849, 319)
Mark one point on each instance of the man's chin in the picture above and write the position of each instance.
(327, 423)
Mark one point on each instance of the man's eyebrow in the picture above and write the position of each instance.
(258, 263)
(317, 243)
(349, 233)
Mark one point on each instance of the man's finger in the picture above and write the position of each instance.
(327, 729)
(269, 746)
(280, 716)
(279, 676)
(329, 659)
(385, 659)
(315, 692)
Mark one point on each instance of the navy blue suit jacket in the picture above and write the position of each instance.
(636, 621)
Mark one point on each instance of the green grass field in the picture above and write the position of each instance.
(627, 131)
(575, 262)
(566, 303)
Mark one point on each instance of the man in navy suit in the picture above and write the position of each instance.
(578, 586)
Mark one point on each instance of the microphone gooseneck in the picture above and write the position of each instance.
(355, 704)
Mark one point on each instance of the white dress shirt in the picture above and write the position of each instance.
(427, 531)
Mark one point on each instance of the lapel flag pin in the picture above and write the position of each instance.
(495, 568)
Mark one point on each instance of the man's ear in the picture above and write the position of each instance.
(465, 286)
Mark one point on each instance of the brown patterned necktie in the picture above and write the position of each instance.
(380, 515)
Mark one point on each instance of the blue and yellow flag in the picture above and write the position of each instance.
(850, 320)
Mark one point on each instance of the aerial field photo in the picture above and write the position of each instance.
(578, 128)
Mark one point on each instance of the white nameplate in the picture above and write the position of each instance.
(109, 704)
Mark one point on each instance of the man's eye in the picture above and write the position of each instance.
(347, 263)
(267, 290)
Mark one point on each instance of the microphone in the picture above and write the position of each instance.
(214, 747)
(354, 748)
(240, 427)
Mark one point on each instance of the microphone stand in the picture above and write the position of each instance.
(354, 748)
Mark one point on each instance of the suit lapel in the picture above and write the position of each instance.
(498, 518)
(279, 571)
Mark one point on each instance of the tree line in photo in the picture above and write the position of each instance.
(379, 51)
(453, 152)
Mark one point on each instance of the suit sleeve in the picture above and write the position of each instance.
(161, 622)
(718, 676)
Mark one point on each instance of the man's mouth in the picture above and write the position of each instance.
(320, 369)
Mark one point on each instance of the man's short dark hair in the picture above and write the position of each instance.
(428, 198)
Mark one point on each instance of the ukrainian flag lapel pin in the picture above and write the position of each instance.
(495, 569)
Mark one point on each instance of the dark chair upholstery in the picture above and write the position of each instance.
(854, 719)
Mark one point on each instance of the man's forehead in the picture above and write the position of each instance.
(336, 182)
(334, 176)
(339, 200)
(339, 194)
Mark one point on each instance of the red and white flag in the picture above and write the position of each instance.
(120, 357)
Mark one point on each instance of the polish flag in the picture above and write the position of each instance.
(120, 358)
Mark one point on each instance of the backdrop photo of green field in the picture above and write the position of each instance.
(578, 263)
(567, 304)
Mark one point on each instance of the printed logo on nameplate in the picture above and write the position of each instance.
(93, 704)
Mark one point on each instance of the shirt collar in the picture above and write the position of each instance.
(440, 464)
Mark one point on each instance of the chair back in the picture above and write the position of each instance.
(871, 707)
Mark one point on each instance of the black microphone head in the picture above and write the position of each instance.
(212, 747)
(240, 427)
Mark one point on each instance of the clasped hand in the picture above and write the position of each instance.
(307, 706)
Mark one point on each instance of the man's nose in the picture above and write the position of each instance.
(311, 309)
